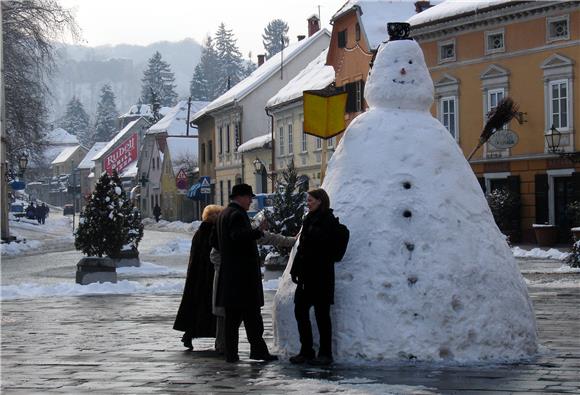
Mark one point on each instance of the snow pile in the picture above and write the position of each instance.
(13, 249)
(256, 143)
(175, 226)
(148, 269)
(174, 247)
(271, 285)
(538, 253)
(427, 274)
(124, 287)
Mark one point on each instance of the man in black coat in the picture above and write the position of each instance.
(240, 289)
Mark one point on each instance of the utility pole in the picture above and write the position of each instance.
(74, 186)
(188, 111)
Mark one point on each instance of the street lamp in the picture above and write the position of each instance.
(22, 164)
(553, 140)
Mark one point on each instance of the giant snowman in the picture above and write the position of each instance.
(427, 274)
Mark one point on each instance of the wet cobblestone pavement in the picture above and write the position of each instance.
(125, 344)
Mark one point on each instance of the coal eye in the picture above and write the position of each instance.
(410, 62)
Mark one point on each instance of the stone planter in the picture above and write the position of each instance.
(96, 270)
(546, 235)
(127, 258)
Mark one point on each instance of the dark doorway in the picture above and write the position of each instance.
(563, 195)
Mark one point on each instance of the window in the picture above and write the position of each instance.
(330, 142)
(228, 142)
(446, 51)
(237, 135)
(281, 140)
(559, 104)
(318, 143)
(342, 39)
(210, 150)
(494, 42)
(222, 192)
(355, 92)
(357, 32)
(290, 140)
(304, 142)
(558, 28)
(158, 166)
(494, 97)
(203, 153)
(229, 187)
(221, 140)
(448, 115)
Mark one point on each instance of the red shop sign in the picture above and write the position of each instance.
(122, 156)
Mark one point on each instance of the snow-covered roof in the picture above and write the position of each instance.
(452, 8)
(180, 147)
(87, 162)
(375, 14)
(260, 75)
(130, 170)
(61, 136)
(143, 110)
(174, 122)
(51, 152)
(125, 131)
(65, 154)
(256, 143)
(317, 75)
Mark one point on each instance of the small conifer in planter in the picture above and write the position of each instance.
(109, 221)
(505, 207)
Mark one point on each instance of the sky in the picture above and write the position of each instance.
(147, 21)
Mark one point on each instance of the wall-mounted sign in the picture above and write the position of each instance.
(503, 139)
(121, 156)
(181, 179)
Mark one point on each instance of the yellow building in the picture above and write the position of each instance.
(478, 54)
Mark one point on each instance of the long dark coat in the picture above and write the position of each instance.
(240, 278)
(313, 263)
(195, 311)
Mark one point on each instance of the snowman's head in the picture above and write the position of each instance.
(399, 78)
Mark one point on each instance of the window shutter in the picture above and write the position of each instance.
(351, 97)
(542, 213)
(362, 95)
(342, 39)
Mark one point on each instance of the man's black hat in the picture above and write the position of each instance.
(242, 190)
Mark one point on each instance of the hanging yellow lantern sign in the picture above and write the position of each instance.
(324, 113)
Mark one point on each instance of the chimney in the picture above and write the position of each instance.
(301, 37)
(421, 6)
(261, 59)
(313, 25)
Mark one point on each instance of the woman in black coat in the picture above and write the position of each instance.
(195, 316)
(313, 272)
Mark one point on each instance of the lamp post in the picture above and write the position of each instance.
(260, 168)
(553, 140)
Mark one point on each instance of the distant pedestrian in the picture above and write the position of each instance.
(195, 316)
(156, 212)
(31, 211)
(240, 289)
(313, 272)
(41, 212)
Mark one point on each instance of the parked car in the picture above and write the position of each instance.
(17, 209)
(259, 202)
(68, 209)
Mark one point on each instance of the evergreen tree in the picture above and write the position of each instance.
(249, 67)
(289, 203)
(158, 78)
(229, 58)
(106, 118)
(109, 221)
(275, 37)
(205, 82)
(76, 120)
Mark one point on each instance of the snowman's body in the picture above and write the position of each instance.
(427, 274)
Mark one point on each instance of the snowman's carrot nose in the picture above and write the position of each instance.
(403, 72)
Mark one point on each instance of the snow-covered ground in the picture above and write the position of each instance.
(538, 253)
(55, 233)
(173, 247)
(149, 269)
(175, 226)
